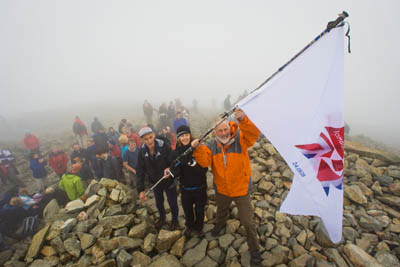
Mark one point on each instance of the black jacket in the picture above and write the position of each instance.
(153, 167)
(191, 174)
(81, 153)
(111, 168)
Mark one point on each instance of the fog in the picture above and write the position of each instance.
(69, 54)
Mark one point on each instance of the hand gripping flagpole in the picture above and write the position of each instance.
(332, 24)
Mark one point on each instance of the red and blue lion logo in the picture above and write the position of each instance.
(327, 156)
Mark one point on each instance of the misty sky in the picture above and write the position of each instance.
(54, 53)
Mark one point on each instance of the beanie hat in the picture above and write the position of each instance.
(144, 131)
(76, 168)
(182, 130)
(37, 197)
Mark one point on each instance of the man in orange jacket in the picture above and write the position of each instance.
(227, 155)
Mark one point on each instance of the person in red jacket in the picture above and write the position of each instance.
(80, 132)
(58, 161)
(31, 143)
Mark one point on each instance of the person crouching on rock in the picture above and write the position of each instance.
(227, 155)
(153, 160)
(71, 183)
(193, 183)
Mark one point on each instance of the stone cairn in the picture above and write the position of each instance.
(113, 229)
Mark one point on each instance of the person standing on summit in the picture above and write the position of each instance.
(227, 155)
(80, 131)
(148, 112)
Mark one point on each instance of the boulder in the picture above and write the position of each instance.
(51, 209)
(149, 243)
(36, 243)
(166, 260)
(138, 231)
(196, 254)
(73, 247)
(354, 193)
(359, 257)
(117, 221)
(166, 239)
(138, 258)
(124, 259)
(74, 206)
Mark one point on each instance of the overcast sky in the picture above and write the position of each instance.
(54, 53)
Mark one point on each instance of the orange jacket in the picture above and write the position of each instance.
(230, 163)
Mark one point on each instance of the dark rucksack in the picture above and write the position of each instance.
(28, 226)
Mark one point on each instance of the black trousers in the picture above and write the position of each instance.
(194, 215)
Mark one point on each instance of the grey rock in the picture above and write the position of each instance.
(58, 245)
(50, 210)
(322, 236)
(207, 262)
(121, 232)
(387, 259)
(371, 224)
(73, 247)
(84, 261)
(359, 257)
(138, 258)
(149, 243)
(97, 231)
(117, 221)
(195, 255)
(87, 240)
(383, 180)
(85, 226)
(73, 206)
(68, 225)
(166, 239)
(124, 259)
(225, 241)
(217, 255)
(114, 210)
(138, 231)
(128, 243)
(166, 260)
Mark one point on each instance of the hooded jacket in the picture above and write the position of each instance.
(79, 128)
(72, 185)
(153, 166)
(38, 169)
(58, 161)
(31, 142)
(230, 163)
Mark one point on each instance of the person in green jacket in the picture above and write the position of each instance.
(71, 183)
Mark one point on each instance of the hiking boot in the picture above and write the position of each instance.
(174, 225)
(187, 232)
(160, 223)
(255, 260)
(216, 230)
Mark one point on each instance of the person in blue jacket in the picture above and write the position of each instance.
(39, 171)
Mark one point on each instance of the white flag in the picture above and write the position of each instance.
(301, 112)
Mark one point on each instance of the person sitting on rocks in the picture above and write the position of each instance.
(27, 201)
(227, 155)
(12, 215)
(71, 183)
(58, 161)
(109, 165)
(153, 160)
(193, 184)
(38, 170)
(78, 152)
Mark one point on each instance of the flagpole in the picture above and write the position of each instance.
(330, 26)
(225, 115)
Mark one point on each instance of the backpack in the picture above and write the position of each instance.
(28, 226)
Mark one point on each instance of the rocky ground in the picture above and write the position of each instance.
(114, 229)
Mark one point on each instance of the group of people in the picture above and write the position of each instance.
(227, 156)
(148, 156)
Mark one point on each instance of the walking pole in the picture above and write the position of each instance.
(332, 24)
